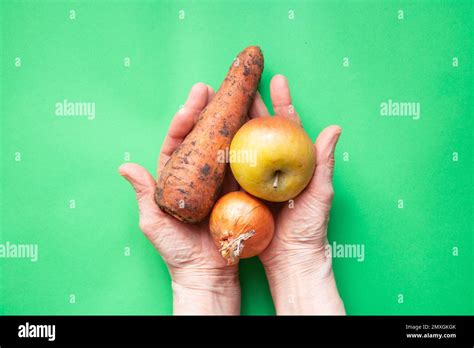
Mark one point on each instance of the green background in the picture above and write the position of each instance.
(408, 251)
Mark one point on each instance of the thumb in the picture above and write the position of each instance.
(144, 186)
(321, 186)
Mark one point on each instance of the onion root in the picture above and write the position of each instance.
(232, 249)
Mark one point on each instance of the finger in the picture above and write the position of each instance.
(321, 186)
(210, 94)
(281, 98)
(258, 107)
(162, 160)
(144, 185)
(183, 121)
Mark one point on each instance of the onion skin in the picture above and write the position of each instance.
(240, 217)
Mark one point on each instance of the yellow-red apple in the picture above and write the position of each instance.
(272, 158)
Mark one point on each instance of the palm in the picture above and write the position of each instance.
(183, 245)
(299, 227)
(305, 223)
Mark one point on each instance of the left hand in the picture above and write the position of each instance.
(202, 282)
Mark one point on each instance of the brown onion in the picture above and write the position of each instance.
(241, 225)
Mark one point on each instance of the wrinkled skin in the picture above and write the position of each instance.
(189, 251)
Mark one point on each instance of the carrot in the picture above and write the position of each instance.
(191, 180)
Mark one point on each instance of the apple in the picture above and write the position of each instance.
(272, 158)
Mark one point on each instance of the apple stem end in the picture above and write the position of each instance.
(275, 182)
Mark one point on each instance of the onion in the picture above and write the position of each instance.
(241, 225)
